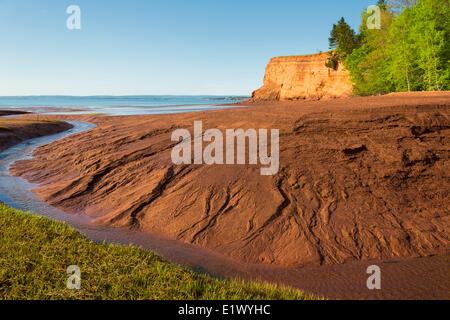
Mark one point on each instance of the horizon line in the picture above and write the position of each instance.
(128, 95)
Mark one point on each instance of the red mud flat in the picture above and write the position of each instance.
(37, 110)
(11, 112)
(16, 130)
(360, 179)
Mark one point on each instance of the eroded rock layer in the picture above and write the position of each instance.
(303, 77)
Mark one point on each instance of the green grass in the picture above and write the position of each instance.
(35, 253)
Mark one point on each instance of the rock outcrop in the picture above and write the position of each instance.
(303, 77)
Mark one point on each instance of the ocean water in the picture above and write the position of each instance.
(116, 105)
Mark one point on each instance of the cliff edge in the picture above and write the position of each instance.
(303, 77)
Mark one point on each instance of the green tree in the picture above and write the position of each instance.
(397, 6)
(368, 64)
(382, 4)
(431, 30)
(410, 52)
(400, 48)
(343, 39)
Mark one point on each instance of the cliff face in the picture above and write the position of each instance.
(303, 77)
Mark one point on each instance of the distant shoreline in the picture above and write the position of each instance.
(117, 105)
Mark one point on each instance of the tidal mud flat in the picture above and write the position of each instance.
(14, 130)
(361, 180)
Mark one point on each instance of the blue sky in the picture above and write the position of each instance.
(158, 46)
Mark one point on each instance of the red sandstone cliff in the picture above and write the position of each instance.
(303, 77)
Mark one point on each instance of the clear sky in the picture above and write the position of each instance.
(129, 47)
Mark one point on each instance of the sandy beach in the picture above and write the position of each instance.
(361, 179)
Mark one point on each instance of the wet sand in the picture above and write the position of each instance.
(387, 201)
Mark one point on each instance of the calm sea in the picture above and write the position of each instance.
(116, 105)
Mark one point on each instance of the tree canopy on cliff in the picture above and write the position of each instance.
(409, 52)
(343, 40)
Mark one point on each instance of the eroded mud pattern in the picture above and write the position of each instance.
(360, 179)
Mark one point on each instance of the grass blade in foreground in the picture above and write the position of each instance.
(35, 253)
